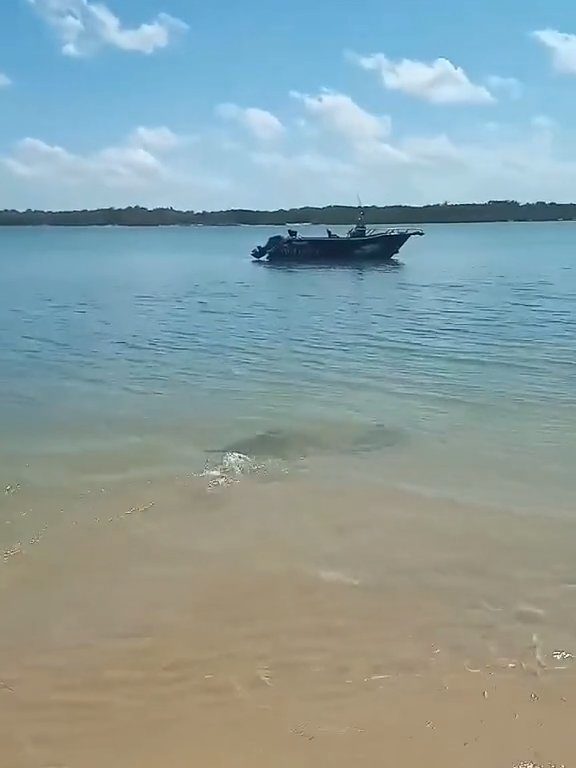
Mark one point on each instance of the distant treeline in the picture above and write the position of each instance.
(445, 213)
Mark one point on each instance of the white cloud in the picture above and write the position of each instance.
(345, 149)
(306, 176)
(4, 80)
(340, 114)
(562, 46)
(311, 162)
(509, 85)
(365, 134)
(84, 27)
(522, 162)
(159, 139)
(262, 124)
(439, 82)
(373, 154)
(34, 158)
(525, 164)
(431, 150)
(132, 164)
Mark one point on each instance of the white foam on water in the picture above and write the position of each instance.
(562, 656)
(234, 466)
(530, 764)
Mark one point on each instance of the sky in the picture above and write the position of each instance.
(268, 104)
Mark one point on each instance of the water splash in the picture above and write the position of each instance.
(232, 468)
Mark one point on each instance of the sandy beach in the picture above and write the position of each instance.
(286, 623)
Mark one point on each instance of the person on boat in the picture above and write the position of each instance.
(359, 229)
(330, 233)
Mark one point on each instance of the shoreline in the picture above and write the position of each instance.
(494, 211)
(465, 560)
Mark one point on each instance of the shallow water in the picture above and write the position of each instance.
(132, 352)
(304, 507)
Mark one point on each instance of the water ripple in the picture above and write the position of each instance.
(484, 338)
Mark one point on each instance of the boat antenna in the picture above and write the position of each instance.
(361, 208)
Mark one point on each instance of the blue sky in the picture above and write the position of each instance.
(268, 103)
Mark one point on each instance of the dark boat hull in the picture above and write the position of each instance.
(378, 247)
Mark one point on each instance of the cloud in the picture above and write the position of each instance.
(344, 149)
(263, 125)
(509, 85)
(341, 115)
(84, 27)
(131, 164)
(440, 82)
(432, 150)
(562, 46)
(519, 161)
(310, 162)
(34, 158)
(290, 176)
(155, 139)
(362, 137)
(525, 163)
(4, 80)
(364, 134)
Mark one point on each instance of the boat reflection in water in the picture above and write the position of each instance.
(359, 245)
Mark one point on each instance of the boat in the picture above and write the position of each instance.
(359, 244)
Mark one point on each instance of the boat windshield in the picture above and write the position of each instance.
(359, 230)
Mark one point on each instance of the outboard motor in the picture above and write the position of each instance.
(259, 252)
(263, 250)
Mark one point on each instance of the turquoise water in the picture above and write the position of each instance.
(136, 353)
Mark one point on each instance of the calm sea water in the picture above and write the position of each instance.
(137, 352)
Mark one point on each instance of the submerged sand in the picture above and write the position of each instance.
(283, 623)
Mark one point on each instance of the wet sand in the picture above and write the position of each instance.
(283, 623)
